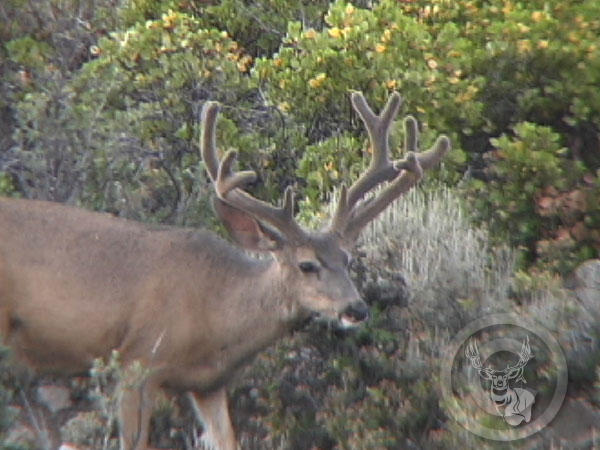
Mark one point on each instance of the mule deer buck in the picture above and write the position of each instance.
(188, 306)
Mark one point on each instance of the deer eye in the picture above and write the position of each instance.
(308, 267)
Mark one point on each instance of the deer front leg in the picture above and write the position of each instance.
(135, 408)
(211, 409)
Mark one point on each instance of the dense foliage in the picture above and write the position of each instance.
(99, 106)
(133, 75)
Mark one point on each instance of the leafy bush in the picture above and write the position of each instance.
(7, 413)
(322, 167)
(97, 429)
(477, 71)
(376, 51)
(153, 78)
(259, 26)
(122, 135)
(535, 199)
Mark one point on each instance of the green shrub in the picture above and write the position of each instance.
(535, 199)
(259, 26)
(8, 414)
(122, 136)
(375, 51)
(478, 71)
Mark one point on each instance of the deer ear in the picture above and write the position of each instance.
(245, 230)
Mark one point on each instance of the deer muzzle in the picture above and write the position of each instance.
(354, 314)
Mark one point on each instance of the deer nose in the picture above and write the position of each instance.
(357, 311)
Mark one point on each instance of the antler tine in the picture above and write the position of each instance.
(349, 218)
(229, 184)
(227, 180)
(380, 169)
(525, 354)
(378, 128)
(472, 354)
(208, 140)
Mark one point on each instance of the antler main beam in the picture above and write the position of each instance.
(351, 216)
(229, 184)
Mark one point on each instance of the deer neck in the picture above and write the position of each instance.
(261, 309)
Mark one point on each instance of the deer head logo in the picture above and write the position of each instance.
(514, 404)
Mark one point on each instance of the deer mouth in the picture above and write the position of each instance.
(354, 315)
(347, 321)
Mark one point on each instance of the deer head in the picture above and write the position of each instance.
(500, 378)
(315, 263)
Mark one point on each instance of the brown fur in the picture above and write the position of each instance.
(74, 285)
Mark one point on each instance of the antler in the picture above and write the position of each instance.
(524, 355)
(472, 354)
(228, 184)
(350, 216)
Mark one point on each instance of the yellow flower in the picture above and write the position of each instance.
(380, 48)
(581, 22)
(169, 19)
(392, 84)
(335, 32)
(317, 81)
(524, 45)
(574, 38)
(349, 9)
(432, 63)
(387, 36)
(310, 33)
(543, 44)
(468, 95)
(538, 16)
(244, 63)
